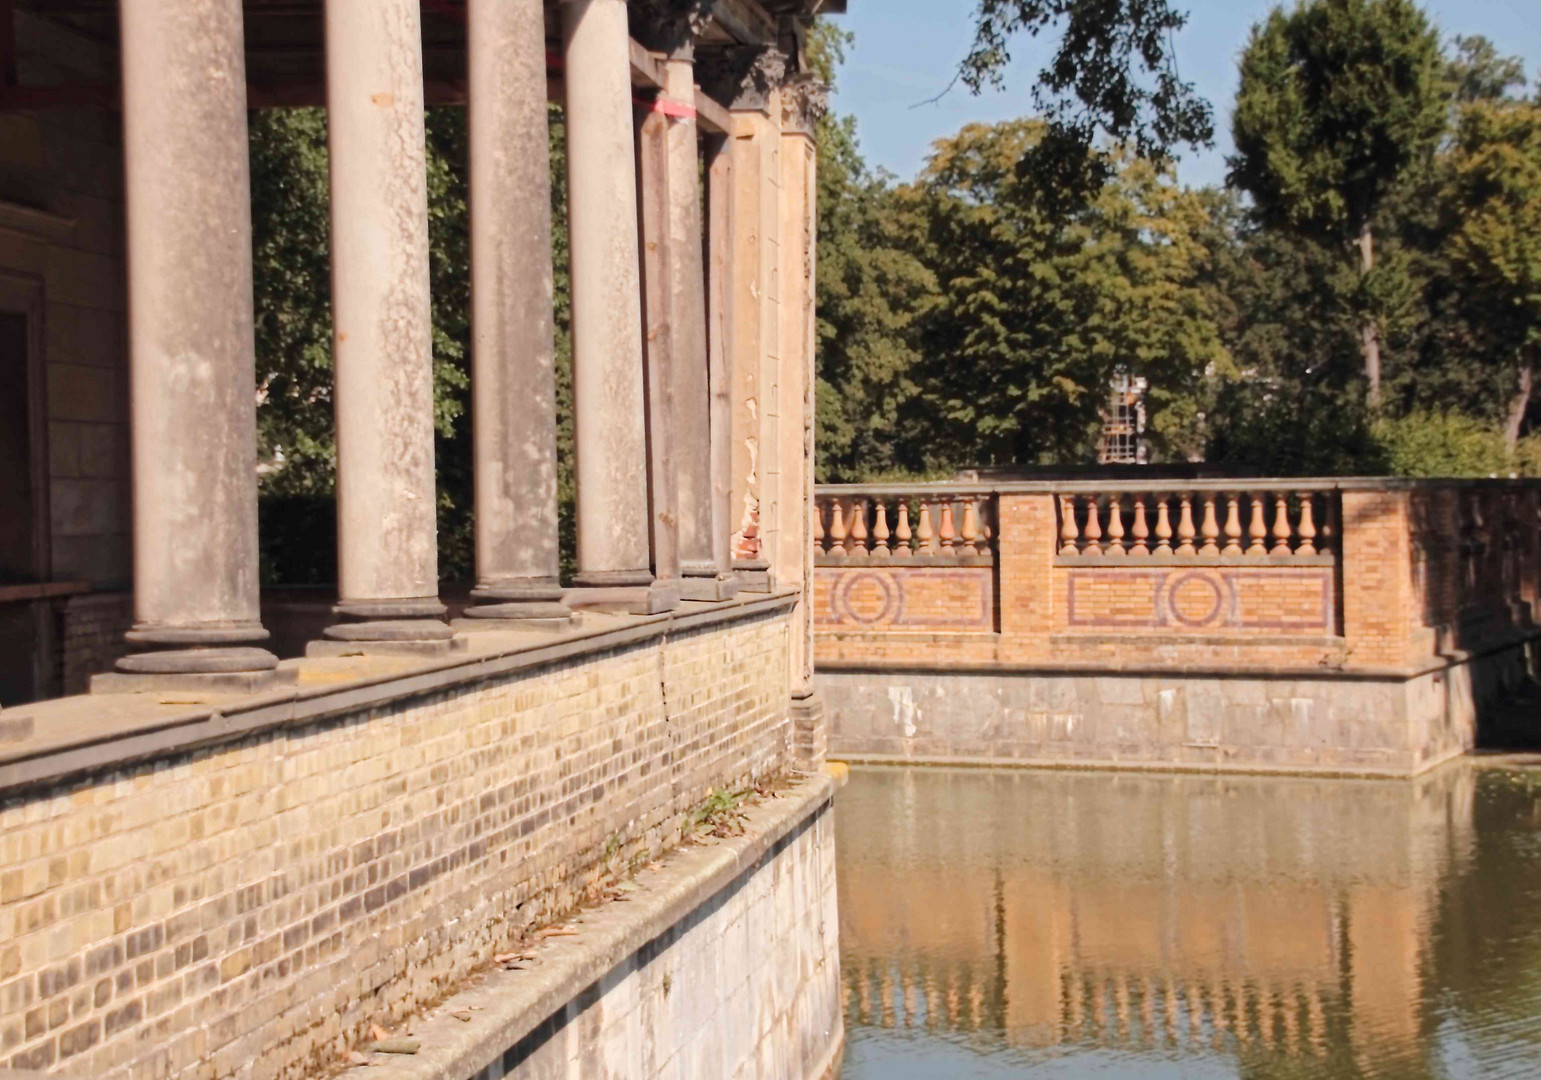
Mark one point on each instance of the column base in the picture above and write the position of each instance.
(409, 627)
(652, 599)
(754, 575)
(521, 605)
(236, 670)
(713, 587)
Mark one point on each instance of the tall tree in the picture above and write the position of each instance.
(1495, 193)
(1114, 74)
(1338, 99)
(1039, 309)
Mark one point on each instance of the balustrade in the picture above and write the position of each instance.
(1188, 525)
(942, 530)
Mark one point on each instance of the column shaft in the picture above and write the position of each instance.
(691, 419)
(513, 353)
(383, 338)
(719, 299)
(660, 362)
(192, 354)
(613, 548)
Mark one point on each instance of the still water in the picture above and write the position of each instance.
(1025, 924)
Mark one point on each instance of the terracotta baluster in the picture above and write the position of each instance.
(1185, 530)
(1140, 530)
(1115, 526)
(880, 533)
(837, 533)
(1307, 524)
(970, 532)
(1093, 530)
(858, 543)
(1281, 525)
(902, 532)
(1257, 531)
(947, 531)
(1068, 531)
(1209, 530)
(818, 529)
(1163, 527)
(1232, 525)
(924, 533)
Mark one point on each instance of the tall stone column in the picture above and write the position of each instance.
(513, 352)
(192, 355)
(747, 79)
(387, 558)
(719, 337)
(803, 100)
(613, 551)
(700, 519)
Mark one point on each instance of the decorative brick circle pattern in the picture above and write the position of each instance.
(1195, 599)
(869, 598)
(905, 598)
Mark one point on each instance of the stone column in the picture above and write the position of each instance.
(747, 79)
(613, 551)
(803, 100)
(658, 359)
(387, 558)
(192, 355)
(513, 352)
(719, 337)
(691, 417)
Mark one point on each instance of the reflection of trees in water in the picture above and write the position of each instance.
(1301, 927)
(1492, 981)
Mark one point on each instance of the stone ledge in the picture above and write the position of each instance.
(1117, 765)
(85, 733)
(506, 1006)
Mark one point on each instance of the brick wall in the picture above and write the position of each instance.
(91, 630)
(249, 908)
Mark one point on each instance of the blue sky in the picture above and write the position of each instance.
(907, 50)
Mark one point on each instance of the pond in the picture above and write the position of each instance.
(1058, 924)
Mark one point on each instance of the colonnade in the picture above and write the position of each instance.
(653, 379)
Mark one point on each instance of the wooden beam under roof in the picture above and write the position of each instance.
(711, 117)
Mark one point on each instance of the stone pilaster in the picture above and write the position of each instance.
(513, 352)
(614, 555)
(192, 355)
(387, 560)
(803, 100)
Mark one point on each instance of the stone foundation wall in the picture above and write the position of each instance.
(1262, 721)
(747, 987)
(248, 908)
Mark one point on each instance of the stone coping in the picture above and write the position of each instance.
(1158, 484)
(506, 1006)
(1450, 658)
(1116, 765)
(87, 733)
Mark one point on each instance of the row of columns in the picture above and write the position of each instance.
(651, 387)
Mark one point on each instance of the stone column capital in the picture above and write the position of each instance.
(669, 26)
(742, 76)
(804, 99)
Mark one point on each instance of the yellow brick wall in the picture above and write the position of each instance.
(250, 908)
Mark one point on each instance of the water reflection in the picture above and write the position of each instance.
(1098, 924)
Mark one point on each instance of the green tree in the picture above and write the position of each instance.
(1338, 99)
(1495, 193)
(1113, 74)
(1038, 309)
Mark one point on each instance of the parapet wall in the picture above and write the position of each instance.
(256, 880)
(1115, 622)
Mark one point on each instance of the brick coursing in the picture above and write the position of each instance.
(248, 909)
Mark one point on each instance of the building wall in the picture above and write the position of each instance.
(249, 908)
(67, 165)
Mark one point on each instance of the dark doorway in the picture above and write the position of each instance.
(18, 517)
